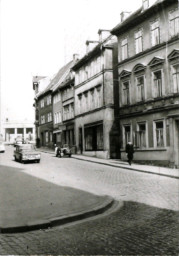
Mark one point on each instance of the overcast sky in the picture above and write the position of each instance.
(40, 36)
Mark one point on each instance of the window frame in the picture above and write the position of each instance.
(124, 48)
(137, 40)
(125, 140)
(155, 133)
(153, 30)
(175, 23)
(153, 83)
(146, 135)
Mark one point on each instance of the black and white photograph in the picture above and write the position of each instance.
(89, 127)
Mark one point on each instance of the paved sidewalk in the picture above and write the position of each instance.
(30, 203)
(163, 171)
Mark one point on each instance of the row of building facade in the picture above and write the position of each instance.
(126, 88)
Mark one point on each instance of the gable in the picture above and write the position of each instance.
(174, 54)
(125, 73)
(156, 61)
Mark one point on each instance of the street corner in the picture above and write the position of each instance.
(43, 204)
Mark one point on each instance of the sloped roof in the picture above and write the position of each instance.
(140, 15)
(58, 78)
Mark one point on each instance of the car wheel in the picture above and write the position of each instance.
(38, 161)
(15, 158)
(69, 155)
(22, 162)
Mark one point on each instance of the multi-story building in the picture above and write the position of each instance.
(63, 105)
(148, 68)
(44, 117)
(94, 99)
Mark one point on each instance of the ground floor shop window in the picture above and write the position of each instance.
(94, 138)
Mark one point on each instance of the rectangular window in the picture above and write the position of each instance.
(127, 134)
(175, 76)
(88, 139)
(140, 88)
(49, 100)
(46, 137)
(124, 49)
(59, 117)
(42, 119)
(174, 22)
(99, 139)
(94, 138)
(126, 99)
(138, 41)
(42, 103)
(159, 134)
(141, 136)
(92, 98)
(157, 83)
(155, 33)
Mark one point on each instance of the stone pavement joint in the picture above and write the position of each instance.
(156, 170)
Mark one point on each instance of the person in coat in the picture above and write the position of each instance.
(130, 152)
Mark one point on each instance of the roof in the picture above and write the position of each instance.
(139, 15)
(58, 78)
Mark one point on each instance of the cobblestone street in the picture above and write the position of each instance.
(144, 220)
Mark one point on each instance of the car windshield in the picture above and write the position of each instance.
(27, 147)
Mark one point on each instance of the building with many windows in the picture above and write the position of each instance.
(148, 69)
(63, 105)
(94, 99)
(44, 117)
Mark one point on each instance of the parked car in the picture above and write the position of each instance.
(2, 147)
(17, 141)
(62, 151)
(26, 152)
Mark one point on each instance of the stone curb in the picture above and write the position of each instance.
(44, 224)
(124, 167)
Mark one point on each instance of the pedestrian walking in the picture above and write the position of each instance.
(130, 152)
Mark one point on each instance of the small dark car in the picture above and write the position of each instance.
(62, 151)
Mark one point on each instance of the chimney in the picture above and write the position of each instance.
(75, 57)
(124, 15)
(145, 4)
(88, 48)
(103, 34)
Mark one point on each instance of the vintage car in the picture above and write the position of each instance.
(62, 151)
(2, 147)
(26, 152)
(17, 141)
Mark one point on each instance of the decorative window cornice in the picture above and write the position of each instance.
(125, 73)
(173, 55)
(156, 61)
(139, 68)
